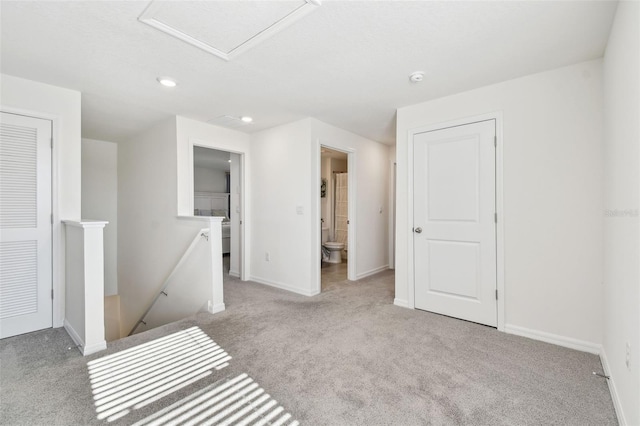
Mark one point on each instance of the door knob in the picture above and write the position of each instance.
(418, 230)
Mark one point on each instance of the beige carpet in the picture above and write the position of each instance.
(345, 357)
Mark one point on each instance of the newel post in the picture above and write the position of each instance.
(84, 284)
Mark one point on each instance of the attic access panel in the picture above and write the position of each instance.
(225, 28)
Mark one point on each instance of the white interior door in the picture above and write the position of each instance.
(454, 222)
(25, 224)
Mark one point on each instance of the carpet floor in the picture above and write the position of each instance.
(345, 357)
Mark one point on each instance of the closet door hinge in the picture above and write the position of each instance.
(496, 294)
(51, 294)
(495, 217)
(495, 141)
(51, 143)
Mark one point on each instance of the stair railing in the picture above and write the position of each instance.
(202, 234)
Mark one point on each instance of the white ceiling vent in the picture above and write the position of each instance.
(229, 121)
(225, 28)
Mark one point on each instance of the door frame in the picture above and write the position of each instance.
(393, 181)
(497, 116)
(57, 240)
(316, 226)
(193, 142)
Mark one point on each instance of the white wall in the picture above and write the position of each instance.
(280, 182)
(372, 203)
(286, 178)
(63, 106)
(552, 196)
(209, 180)
(100, 200)
(621, 203)
(392, 208)
(151, 239)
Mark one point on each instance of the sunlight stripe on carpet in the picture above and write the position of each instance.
(138, 376)
(238, 401)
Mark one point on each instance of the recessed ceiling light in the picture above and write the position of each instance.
(416, 77)
(246, 119)
(167, 82)
(229, 161)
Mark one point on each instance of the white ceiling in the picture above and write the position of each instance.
(347, 63)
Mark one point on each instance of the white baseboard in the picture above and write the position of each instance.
(567, 342)
(96, 347)
(401, 303)
(283, 286)
(235, 274)
(74, 335)
(217, 308)
(612, 388)
(372, 272)
(84, 349)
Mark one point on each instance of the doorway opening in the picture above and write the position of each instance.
(334, 217)
(217, 191)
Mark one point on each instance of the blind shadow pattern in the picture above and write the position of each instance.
(238, 401)
(136, 377)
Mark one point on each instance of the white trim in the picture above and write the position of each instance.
(96, 347)
(86, 223)
(500, 278)
(392, 213)
(73, 334)
(219, 307)
(372, 272)
(617, 404)
(234, 274)
(281, 286)
(500, 265)
(290, 18)
(57, 240)
(401, 302)
(352, 169)
(410, 269)
(316, 216)
(207, 219)
(543, 336)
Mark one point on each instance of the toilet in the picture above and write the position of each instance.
(335, 249)
(335, 252)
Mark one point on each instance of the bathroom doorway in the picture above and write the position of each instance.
(334, 217)
(217, 191)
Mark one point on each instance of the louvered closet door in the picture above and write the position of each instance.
(25, 224)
